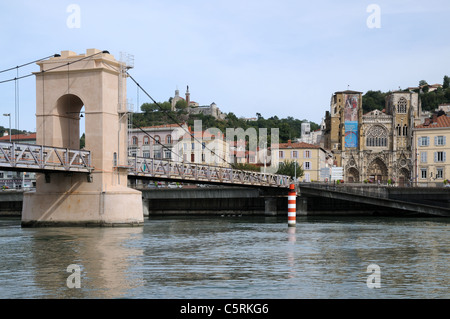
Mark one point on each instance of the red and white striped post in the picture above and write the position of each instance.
(292, 205)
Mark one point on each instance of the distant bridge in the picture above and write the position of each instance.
(45, 159)
(356, 199)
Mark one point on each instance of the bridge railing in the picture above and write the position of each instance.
(21, 156)
(164, 169)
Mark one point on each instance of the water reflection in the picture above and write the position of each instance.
(105, 256)
(213, 257)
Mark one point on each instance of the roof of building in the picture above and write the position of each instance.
(435, 122)
(161, 126)
(348, 92)
(291, 145)
(19, 137)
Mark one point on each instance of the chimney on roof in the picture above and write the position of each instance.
(434, 118)
(289, 142)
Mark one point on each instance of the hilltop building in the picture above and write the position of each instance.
(195, 108)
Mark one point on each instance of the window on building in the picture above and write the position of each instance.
(399, 130)
(146, 140)
(281, 154)
(203, 145)
(307, 177)
(307, 165)
(424, 141)
(193, 146)
(157, 139)
(439, 156)
(401, 105)
(146, 154)
(377, 136)
(134, 140)
(169, 139)
(439, 172)
(167, 154)
(423, 157)
(307, 154)
(423, 173)
(157, 154)
(439, 140)
(294, 154)
(203, 157)
(405, 130)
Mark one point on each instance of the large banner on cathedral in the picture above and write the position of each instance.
(351, 120)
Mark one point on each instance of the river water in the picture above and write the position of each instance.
(230, 257)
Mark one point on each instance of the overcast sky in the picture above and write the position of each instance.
(283, 58)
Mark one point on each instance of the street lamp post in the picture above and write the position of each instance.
(9, 115)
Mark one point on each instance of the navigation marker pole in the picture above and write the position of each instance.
(292, 205)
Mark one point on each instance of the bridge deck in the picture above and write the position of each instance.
(376, 196)
(39, 158)
(179, 171)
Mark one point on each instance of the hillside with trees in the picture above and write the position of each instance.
(430, 99)
(158, 114)
(4, 130)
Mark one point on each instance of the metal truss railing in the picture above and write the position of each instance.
(38, 158)
(31, 157)
(171, 170)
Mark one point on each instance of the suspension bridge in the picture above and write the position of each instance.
(89, 186)
(45, 159)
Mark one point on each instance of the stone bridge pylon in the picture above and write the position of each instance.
(64, 85)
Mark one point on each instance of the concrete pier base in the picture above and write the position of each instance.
(121, 207)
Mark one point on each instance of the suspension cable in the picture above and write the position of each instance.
(54, 68)
(28, 63)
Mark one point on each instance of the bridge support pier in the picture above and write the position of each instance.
(112, 208)
(302, 206)
(73, 201)
(95, 81)
(270, 206)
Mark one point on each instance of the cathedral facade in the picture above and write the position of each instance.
(377, 146)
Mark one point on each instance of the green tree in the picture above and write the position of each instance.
(181, 105)
(246, 167)
(82, 141)
(446, 82)
(373, 100)
(290, 168)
